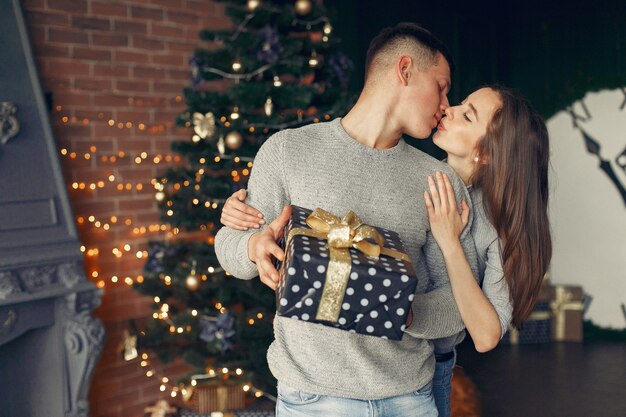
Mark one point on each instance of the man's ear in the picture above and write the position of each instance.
(403, 69)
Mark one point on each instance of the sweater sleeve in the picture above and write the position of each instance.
(495, 286)
(267, 192)
(435, 313)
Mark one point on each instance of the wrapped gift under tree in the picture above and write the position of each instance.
(345, 274)
(567, 309)
(538, 326)
(536, 329)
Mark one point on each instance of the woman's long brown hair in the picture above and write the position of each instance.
(513, 177)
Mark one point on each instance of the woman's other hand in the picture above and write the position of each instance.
(238, 215)
(446, 223)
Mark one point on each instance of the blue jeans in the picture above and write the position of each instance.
(442, 381)
(294, 403)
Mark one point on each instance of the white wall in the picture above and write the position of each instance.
(587, 211)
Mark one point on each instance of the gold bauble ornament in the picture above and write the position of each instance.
(192, 282)
(253, 4)
(303, 7)
(233, 140)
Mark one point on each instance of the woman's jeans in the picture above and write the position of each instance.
(294, 403)
(442, 385)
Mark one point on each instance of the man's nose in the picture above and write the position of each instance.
(444, 105)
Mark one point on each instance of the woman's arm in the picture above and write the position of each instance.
(479, 315)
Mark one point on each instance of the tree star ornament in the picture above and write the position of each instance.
(204, 125)
(233, 140)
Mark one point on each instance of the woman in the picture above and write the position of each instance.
(498, 144)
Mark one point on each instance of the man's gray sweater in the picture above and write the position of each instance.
(320, 165)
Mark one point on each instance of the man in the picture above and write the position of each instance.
(358, 163)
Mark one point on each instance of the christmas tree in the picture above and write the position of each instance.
(278, 67)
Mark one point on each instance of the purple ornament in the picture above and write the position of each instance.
(270, 48)
(195, 65)
(342, 65)
(220, 329)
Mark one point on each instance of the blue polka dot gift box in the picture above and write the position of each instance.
(345, 274)
(536, 329)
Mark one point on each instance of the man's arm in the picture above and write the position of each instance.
(435, 313)
(267, 192)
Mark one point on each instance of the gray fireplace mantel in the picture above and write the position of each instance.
(49, 340)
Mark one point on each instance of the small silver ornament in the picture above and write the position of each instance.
(221, 147)
(268, 107)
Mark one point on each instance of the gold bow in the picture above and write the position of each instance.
(562, 303)
(341, 234)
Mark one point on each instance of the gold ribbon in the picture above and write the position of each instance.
(341, 234)
(562, 303)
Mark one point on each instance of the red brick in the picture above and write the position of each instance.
(180, 46)
(93, 84)
(108, 9)
(146, 13)
(109, 40)
(92, 54)
(176, 60)
(131, 27)
(145, 101)
(134, 116)
(38, 36)
(168, 31)
(74, 98)
(29, 5)
(91, 23)
(148, 72)
(73, 131)
(111, 100)
(176, 74)
(149, 218)
(196, 6)
(136, 174)
(168, 87)
(182, 17)
(68, 67)
(47, 18)
(133, 86)
(136, 205)
(95, 116)
(171, 4)
(76, 6)
(67, 36)
(43, 50)
(143, 42)
(101, 69)
(132, 57)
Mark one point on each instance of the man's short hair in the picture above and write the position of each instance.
(405, 38)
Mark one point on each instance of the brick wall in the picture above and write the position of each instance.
(115, 70)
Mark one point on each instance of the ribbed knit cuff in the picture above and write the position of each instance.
(248, 268)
